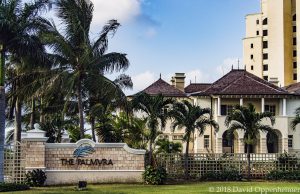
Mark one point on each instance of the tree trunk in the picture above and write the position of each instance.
(186, 159)
(18, 121)
(32, 116)
(42, 114)
(93, 128)
(248, 160)
(150, 152)
(2, 131)
(2, 111)
(80, 110)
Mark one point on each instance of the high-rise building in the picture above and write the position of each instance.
(271, 46)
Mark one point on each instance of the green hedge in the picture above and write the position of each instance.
(283, 175)
(225, 175)
(5, 187)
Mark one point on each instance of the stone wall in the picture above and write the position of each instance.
(106, 163)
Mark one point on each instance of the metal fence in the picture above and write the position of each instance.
(14, 163)
(201, 164)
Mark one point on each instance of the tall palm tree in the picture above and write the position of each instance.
(18, 26)
(82, 62)
(296, 120)
(249, 121)
(154, 109)
(192, 118)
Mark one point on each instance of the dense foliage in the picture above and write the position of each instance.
(224, 175)
(6, 187)
(36, 178)
(155, 175)
(283, 175)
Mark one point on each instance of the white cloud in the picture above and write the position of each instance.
(227, 65)
(142, 80)
(197, 76)
(122, 10)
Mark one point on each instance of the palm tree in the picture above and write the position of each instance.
(154, 109)
(18, 27)
(192, 118)
(167, 147)
(249, 121)
(296, 120)
(82, 62)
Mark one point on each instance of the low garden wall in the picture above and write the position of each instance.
(68, 163)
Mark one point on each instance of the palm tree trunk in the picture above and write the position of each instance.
(93, 128)
(2, 111)
(248, 160)
(18, 121)
(42, 114)
(32, 116)
(2, 131)
(80, 110)
(186, 159)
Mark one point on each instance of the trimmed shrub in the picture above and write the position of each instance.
(283, 175)
(155, 176)
(5, 187)
(224, 175)
(36, 178)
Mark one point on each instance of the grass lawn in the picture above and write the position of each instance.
(203, 188)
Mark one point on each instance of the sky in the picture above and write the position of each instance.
(202, 38)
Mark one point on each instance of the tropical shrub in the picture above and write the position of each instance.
(36, 178)
(287, 159)
(224, 175)
(283, 175)
(155, 175)
(5, 187)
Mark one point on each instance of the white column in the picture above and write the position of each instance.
(262, 105)
(219, 106)
(284, 107)
(216, 109)
(241, 102)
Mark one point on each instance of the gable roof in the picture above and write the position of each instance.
(162, 87)
(294, 88)
(196, 87)
(241, 82)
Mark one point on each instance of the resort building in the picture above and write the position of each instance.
(271, 49)
(238, 87)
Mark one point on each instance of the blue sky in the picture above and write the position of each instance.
(201, 38)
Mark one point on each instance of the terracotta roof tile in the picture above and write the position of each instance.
(192, 88)
(162, 87)
(293, 88)
(241, 82)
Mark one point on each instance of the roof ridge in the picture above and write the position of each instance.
(268, 84)
(231, 83)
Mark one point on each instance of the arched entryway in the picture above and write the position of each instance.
(230, 142)
(274, 142)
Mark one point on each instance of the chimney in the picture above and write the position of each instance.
(178, 81)
(274, 80)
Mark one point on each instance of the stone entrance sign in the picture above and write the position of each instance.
(68, 163)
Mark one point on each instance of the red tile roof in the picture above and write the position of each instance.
(241, 82)
(294, 88)
(162, 87)
(196, 87)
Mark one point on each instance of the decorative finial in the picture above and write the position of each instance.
(238, 64)
(232, 67)
(160, 76)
